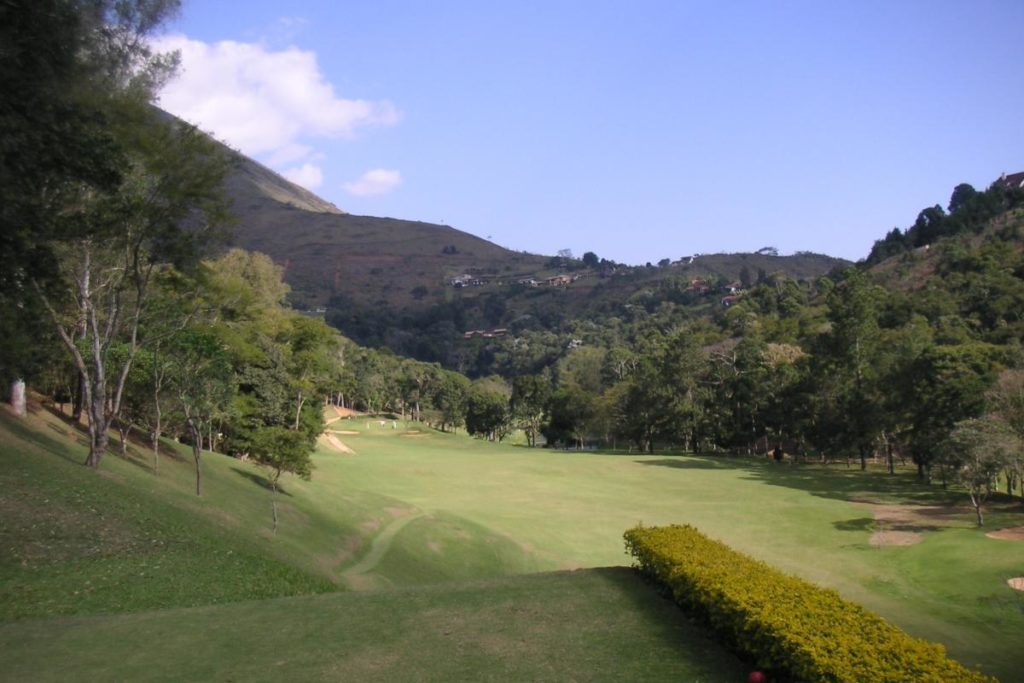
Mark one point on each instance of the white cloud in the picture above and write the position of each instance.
(263, 101)
(289, 154)
(377, 181)
(308, 176)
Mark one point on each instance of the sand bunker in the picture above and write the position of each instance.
(1012, 534)
(1016, 584)
(345, 432)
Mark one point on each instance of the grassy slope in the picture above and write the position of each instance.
(126, 547)
(414, 509)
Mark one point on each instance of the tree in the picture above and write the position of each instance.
(530, 396)
(962, 194)
(202, 383)
(1006, 399)
(282, 450)
(848, 362)
(117, 242)
(312, 345)
(570, 412)
(487, 414)
(450, 398)
(590, 259)
(949, 384)
(978, 449)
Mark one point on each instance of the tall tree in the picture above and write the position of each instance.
(848, 363)
(530, 396)
(203, 385)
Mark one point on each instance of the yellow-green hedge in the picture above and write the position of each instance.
(788, 626)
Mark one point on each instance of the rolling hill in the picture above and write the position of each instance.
(400, 264)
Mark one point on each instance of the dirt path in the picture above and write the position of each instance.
(337, 445)
(381, 544)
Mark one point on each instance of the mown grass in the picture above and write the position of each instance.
(591, 625)
(80, 542)
(415, 507)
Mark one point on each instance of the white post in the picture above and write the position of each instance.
(18, 397)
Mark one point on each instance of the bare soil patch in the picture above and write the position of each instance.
(1012, 534)
(901, 538)
(345, 412)
(1017, 583)
(338, 445)
(905, 525)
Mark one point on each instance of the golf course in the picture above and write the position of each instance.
(413, 554)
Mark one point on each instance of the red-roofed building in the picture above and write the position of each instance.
(1013, 181)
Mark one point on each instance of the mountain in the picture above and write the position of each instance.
(373, 261)
(327, 252)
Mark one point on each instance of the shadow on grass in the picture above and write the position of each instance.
(859, 524)
(687, 463)
(260, 481)
(834, 481)
(49, 444)
(668, 621)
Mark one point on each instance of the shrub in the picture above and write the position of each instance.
(786, 625)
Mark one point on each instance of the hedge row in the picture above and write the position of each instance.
(789, 627)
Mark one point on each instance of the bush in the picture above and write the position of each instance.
(787, 626)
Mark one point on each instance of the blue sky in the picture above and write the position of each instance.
(637, 130)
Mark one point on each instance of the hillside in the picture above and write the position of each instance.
(401, 264)
(327, 252)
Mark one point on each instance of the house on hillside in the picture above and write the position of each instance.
(465, 280)
(1014, 181)
(698, 285)
(728, 301)
(558, 281)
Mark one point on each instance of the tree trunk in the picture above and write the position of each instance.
(273, 501)
(197, 451)
(123, 429)
(298, 411)
(98, 423)
(156, 437)
(976, 500)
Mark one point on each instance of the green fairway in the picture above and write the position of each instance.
(589, 625)
(416, 515)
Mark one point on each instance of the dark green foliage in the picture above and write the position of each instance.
(969, 212)
(487, 414)
(282, 450)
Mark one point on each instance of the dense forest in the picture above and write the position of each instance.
(119, 299)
